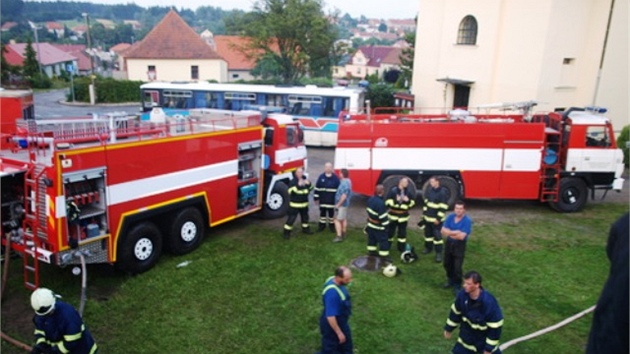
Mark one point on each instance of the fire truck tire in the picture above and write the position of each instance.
(392, 181)
(187, 231)
(278, 203)
(572, 195)
(140, 248)
(451, 186)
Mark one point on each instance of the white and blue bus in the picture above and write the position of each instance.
(316, 108)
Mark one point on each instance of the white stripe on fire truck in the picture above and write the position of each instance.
(146, 187)
(477, 159)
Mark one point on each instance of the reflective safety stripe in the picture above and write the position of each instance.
(492, 342)
(298, 205)
(383, 253)
(495, 324)
(466, 345)
(454, 309)
(376, 227)
(402, 240)
(429, 219)
(451, 323)
(305, 226)
(475, 326)
(40, 340)
(333, 286)
(71, 337)
(403, 219)
(371, 248)
(62, 348)
(326, 206)
(40, 332)
(94, 349)
(429, 239)
(288, 227)
(438, 242)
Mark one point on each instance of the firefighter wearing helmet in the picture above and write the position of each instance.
(58, 326)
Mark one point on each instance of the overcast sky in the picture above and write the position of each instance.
(383, 9)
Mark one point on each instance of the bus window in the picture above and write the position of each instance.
(177, 99)
(235, 101)
(305, 105)
(150, 99)
(212, 100)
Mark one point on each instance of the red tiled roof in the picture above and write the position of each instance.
(8, 25)
(78, 51)
(171, 38)
(229, 47)
(48, 53)
(375, 54)
(393, 57)
(54, 26)
(12, 57)
(119, 47)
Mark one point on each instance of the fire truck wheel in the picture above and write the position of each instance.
(451, 186)
(140, 249)
(572, 195)
(392, 181)
(187, 231)
(278, 203)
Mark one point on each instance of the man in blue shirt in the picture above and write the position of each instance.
(333, 323)
(342, 201)
(456, 229)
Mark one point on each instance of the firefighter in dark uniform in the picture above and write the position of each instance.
(333, 323)
(324, 195)
(433, 215)
(299, 190)
(378, 221)
(58, 326)
(479, 317)
(399, 200)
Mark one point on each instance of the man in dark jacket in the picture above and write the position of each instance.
(399, 200)
(433, 215)
(324, 195)
(378, 220)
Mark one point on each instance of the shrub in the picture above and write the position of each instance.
(107, 90)
(622, 143)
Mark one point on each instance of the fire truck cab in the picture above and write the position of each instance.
(554, 157)
(116, 189)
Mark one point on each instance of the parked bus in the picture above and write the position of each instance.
(316, 108)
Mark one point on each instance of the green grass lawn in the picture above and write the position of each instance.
(249, 291)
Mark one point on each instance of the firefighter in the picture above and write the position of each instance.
(399, 200)
(333, 323)
(480, 317)
(58, 326)
(433, 215)
(299, 190)
(324, 196)
(378, 221)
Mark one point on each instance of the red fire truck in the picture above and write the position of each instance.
(555, 157)
(118, 189)
(14, 105)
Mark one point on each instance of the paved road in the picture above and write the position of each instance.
(47, 106)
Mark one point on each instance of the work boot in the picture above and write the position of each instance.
(427, 251)
(307, 230)
(338, 239)
(386, 259)
(402, 247)
(438, 257)
(286, 234)
(321, 227)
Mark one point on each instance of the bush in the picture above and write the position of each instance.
(108, 90)
(622, 143)
(40, 81)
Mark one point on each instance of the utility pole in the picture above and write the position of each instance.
(89, 44)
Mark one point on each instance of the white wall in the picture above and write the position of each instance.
(521, 45)
(177, 70)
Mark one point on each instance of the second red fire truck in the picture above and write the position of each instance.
(119, 190)
(556, 157)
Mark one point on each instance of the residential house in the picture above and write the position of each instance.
(173, 51)
(84, 66)
(404, 25)
(560, 53)
(7, 26)
(231, 49)
(368, 60)
(56, 28)
(52, 60)
(118, 59)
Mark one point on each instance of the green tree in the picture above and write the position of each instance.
(11, 9)
(382, 27)
(406, 61)
(294, 33)
(622, 141)
(30, 67)
(380, 95)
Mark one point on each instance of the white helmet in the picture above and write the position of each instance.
(408, 256)
(43, 301)
(390, 271)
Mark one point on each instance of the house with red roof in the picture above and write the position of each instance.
(84, 66)
(56, 28)
(7, 26)
(173, 51)
(370, 59)
(53, 60)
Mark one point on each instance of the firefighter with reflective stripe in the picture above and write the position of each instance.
(377, 223)
(433, 215)
(333, 323)
(479, 316)
(58, 326)
(399, 200)
(299, 189)
(324, 195)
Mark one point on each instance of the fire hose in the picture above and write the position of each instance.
(7, 257)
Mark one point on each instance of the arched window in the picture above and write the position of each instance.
(467, 33)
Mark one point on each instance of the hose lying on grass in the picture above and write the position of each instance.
(546, 330)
